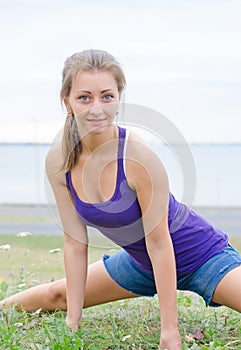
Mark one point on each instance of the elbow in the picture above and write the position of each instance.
(74, 245)
(75, 239)
(158, 246)
(154, 249)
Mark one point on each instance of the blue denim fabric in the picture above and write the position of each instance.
(124, 272)
(203, 281)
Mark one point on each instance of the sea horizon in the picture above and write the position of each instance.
(217, 166)
(201, 143)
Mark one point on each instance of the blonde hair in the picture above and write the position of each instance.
(88, 60)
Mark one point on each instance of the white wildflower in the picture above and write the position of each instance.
(38, 312)
(18, 324)
(5, 247)
(54, 251)
(24, 234)
(22, 285)
(126, 337)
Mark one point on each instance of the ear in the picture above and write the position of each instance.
(67, 106)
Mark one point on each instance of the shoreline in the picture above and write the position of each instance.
(43, 219)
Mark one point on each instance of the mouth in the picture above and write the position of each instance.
(96, 121)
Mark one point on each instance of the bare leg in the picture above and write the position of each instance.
(228, 291)
(100, 288)
(48, 297)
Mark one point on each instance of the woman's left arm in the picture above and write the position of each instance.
(160, 250)
(148, 177)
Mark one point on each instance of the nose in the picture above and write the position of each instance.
(96, 108)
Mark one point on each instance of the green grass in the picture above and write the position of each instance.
(129, 324)
(33, 253)
(23, 219)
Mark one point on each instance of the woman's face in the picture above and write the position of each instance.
(93, 100)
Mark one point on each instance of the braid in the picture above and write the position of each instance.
(71, 143)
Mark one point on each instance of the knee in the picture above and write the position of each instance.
(56, 294)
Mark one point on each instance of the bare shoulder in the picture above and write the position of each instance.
(134, 136)
(146, 174)
(139, 150)
(54, 161)
(142, 163)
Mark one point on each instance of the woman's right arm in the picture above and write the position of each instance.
(75, 257)
(75, 239)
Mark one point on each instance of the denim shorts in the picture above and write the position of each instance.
(203, 281)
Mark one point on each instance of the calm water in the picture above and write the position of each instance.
(218, 169)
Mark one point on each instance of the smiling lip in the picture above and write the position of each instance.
(96, 121)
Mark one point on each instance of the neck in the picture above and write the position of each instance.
(93, 141)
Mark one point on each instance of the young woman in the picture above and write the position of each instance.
(106, 177)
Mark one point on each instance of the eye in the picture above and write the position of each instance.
(108, 98)
(84, 98)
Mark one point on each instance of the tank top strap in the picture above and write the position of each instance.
(121, 146)
(121, 151)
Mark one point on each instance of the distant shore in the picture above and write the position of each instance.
(41, 219)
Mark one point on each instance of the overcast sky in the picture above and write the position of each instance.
(181, 58)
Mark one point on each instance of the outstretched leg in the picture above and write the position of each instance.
(47, 296)
(100, 289)
(228, 291)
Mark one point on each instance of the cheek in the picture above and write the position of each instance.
(81, 113)
(110, 109)
(80, 109)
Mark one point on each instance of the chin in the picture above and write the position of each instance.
(97, 130)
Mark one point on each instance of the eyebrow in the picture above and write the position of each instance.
(89, 92)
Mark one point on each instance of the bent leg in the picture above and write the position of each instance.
(47, 296)
(100, 289)
(228, 291)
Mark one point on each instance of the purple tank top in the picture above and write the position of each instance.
(119, 219)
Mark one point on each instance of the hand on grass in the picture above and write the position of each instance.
(72, 324)
(170, 340)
